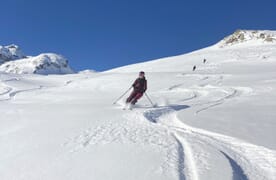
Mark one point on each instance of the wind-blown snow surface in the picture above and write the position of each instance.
(217, 122)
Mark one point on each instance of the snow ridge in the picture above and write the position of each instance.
(13, 60)
(48, 63)
(10, 52)
(241, 36)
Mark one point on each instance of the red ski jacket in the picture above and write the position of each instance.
(140, 85)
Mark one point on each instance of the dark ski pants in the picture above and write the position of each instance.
(134, 96)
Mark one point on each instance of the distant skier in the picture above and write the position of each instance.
(204, 61)
(139, 88)
(194, 68)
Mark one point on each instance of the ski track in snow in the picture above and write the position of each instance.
(185, 152)
(187, 165)
(161, 128)
(213, 82)
(220, 101)
(8, 92)
(207, 82)
(12, 94)
(166, 132)
(6, 89)
(256, 162)
(238, 173)
(136, 131)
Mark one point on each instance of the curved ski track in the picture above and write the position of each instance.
(248, 161)
(160, 127)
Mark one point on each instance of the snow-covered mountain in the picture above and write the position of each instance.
(11, 52)
(217, 122)
(13, 60)
(48, 63)
(242, 36)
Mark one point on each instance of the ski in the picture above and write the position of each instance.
(128, 107)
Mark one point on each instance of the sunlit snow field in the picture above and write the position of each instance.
(217, 122)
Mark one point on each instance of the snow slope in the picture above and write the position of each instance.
(217, 122)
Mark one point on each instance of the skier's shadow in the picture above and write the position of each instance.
(178, 107)
(154, 114)
(175, 107)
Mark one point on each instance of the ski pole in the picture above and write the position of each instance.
(122, 95)
(149, 99)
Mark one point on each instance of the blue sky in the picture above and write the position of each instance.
(105, 34)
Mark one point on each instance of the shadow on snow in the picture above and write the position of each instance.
(238, 173)
(153, 115)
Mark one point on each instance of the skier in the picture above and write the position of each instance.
(139, 88)
(204, 61)
(194, 68)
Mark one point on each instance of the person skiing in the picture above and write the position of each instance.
(139, 88)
